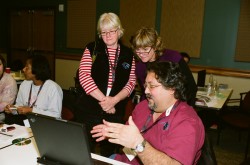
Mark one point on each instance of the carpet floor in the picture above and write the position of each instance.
(230, 150)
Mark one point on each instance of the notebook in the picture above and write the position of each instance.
(61, 142)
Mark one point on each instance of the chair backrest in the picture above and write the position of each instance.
(76, 78)
(67, 114)
(207, 153)
(245, 103)
(201, 77)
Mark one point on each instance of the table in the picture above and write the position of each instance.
(209, 111)
(27, 154)
(215, 101)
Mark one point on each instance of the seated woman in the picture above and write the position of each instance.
(37, 93)
(8, 88)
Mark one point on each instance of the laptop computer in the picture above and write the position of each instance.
(61, 142)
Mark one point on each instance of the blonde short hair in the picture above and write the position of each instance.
(147, 37)
(109, 21)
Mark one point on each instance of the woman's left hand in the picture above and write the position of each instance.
(108, 103)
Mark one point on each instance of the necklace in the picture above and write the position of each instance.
(113, 67)
(29, 104)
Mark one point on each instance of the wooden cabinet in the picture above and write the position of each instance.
(32, 31)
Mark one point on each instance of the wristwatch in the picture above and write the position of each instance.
(140, 147)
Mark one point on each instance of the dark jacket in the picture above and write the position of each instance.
(173, 56)
(100, 72)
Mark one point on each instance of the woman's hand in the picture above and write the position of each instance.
(111, 111)
(24, 110)
(7, 109)
(108, 103)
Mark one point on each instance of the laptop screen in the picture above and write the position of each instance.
(60, 141)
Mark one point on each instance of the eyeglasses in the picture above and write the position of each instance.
(112, 32)
(138, 53)
(150, 86)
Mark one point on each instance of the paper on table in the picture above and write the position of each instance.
(19, 131)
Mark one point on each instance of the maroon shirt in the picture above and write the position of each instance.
(180, 135)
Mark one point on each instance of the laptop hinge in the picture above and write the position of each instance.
(46, 161)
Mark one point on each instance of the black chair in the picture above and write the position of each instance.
(67, 114)
(207, 153)
(237, 117)
(201, 77)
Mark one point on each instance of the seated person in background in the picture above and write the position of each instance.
(8, 88)
(185, 56)
(163, 129)
(148, 47)
(37, 93)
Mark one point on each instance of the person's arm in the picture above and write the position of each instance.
(85, 78)
(9, 92)
(150, 155)
(119, 133)
(21, 99)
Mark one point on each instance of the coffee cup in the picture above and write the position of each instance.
(7, 70)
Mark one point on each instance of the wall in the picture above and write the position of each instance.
(65, 72)
(66, 69)
(237, 84)
(220, 34)
(218, 39)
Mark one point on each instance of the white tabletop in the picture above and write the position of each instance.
(27, 154)
(214, 101)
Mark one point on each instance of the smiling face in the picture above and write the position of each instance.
(159, 98)
(110, 36)
(146, 54)
(27, 70)
(109, 28)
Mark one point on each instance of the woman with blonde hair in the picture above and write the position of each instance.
(106, 74)
(148, 46)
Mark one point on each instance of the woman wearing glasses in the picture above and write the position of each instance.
(107, 75)
(149, 48)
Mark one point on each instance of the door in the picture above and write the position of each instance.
(32, 32)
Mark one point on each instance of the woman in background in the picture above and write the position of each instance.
(37, 93)
(148, 47)
(8, 88)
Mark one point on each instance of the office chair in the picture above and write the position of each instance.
(201, 77)
(67, 114)
(207, 153)
(237, 117)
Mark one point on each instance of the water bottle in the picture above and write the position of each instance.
(209, 89)
(211, 80)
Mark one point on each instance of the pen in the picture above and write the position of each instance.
(6, 134)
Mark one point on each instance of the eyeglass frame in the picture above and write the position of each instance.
(111, 32)
(147, 53)
(150, 86)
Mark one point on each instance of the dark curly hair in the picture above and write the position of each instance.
(40, 67)
(170, 76)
